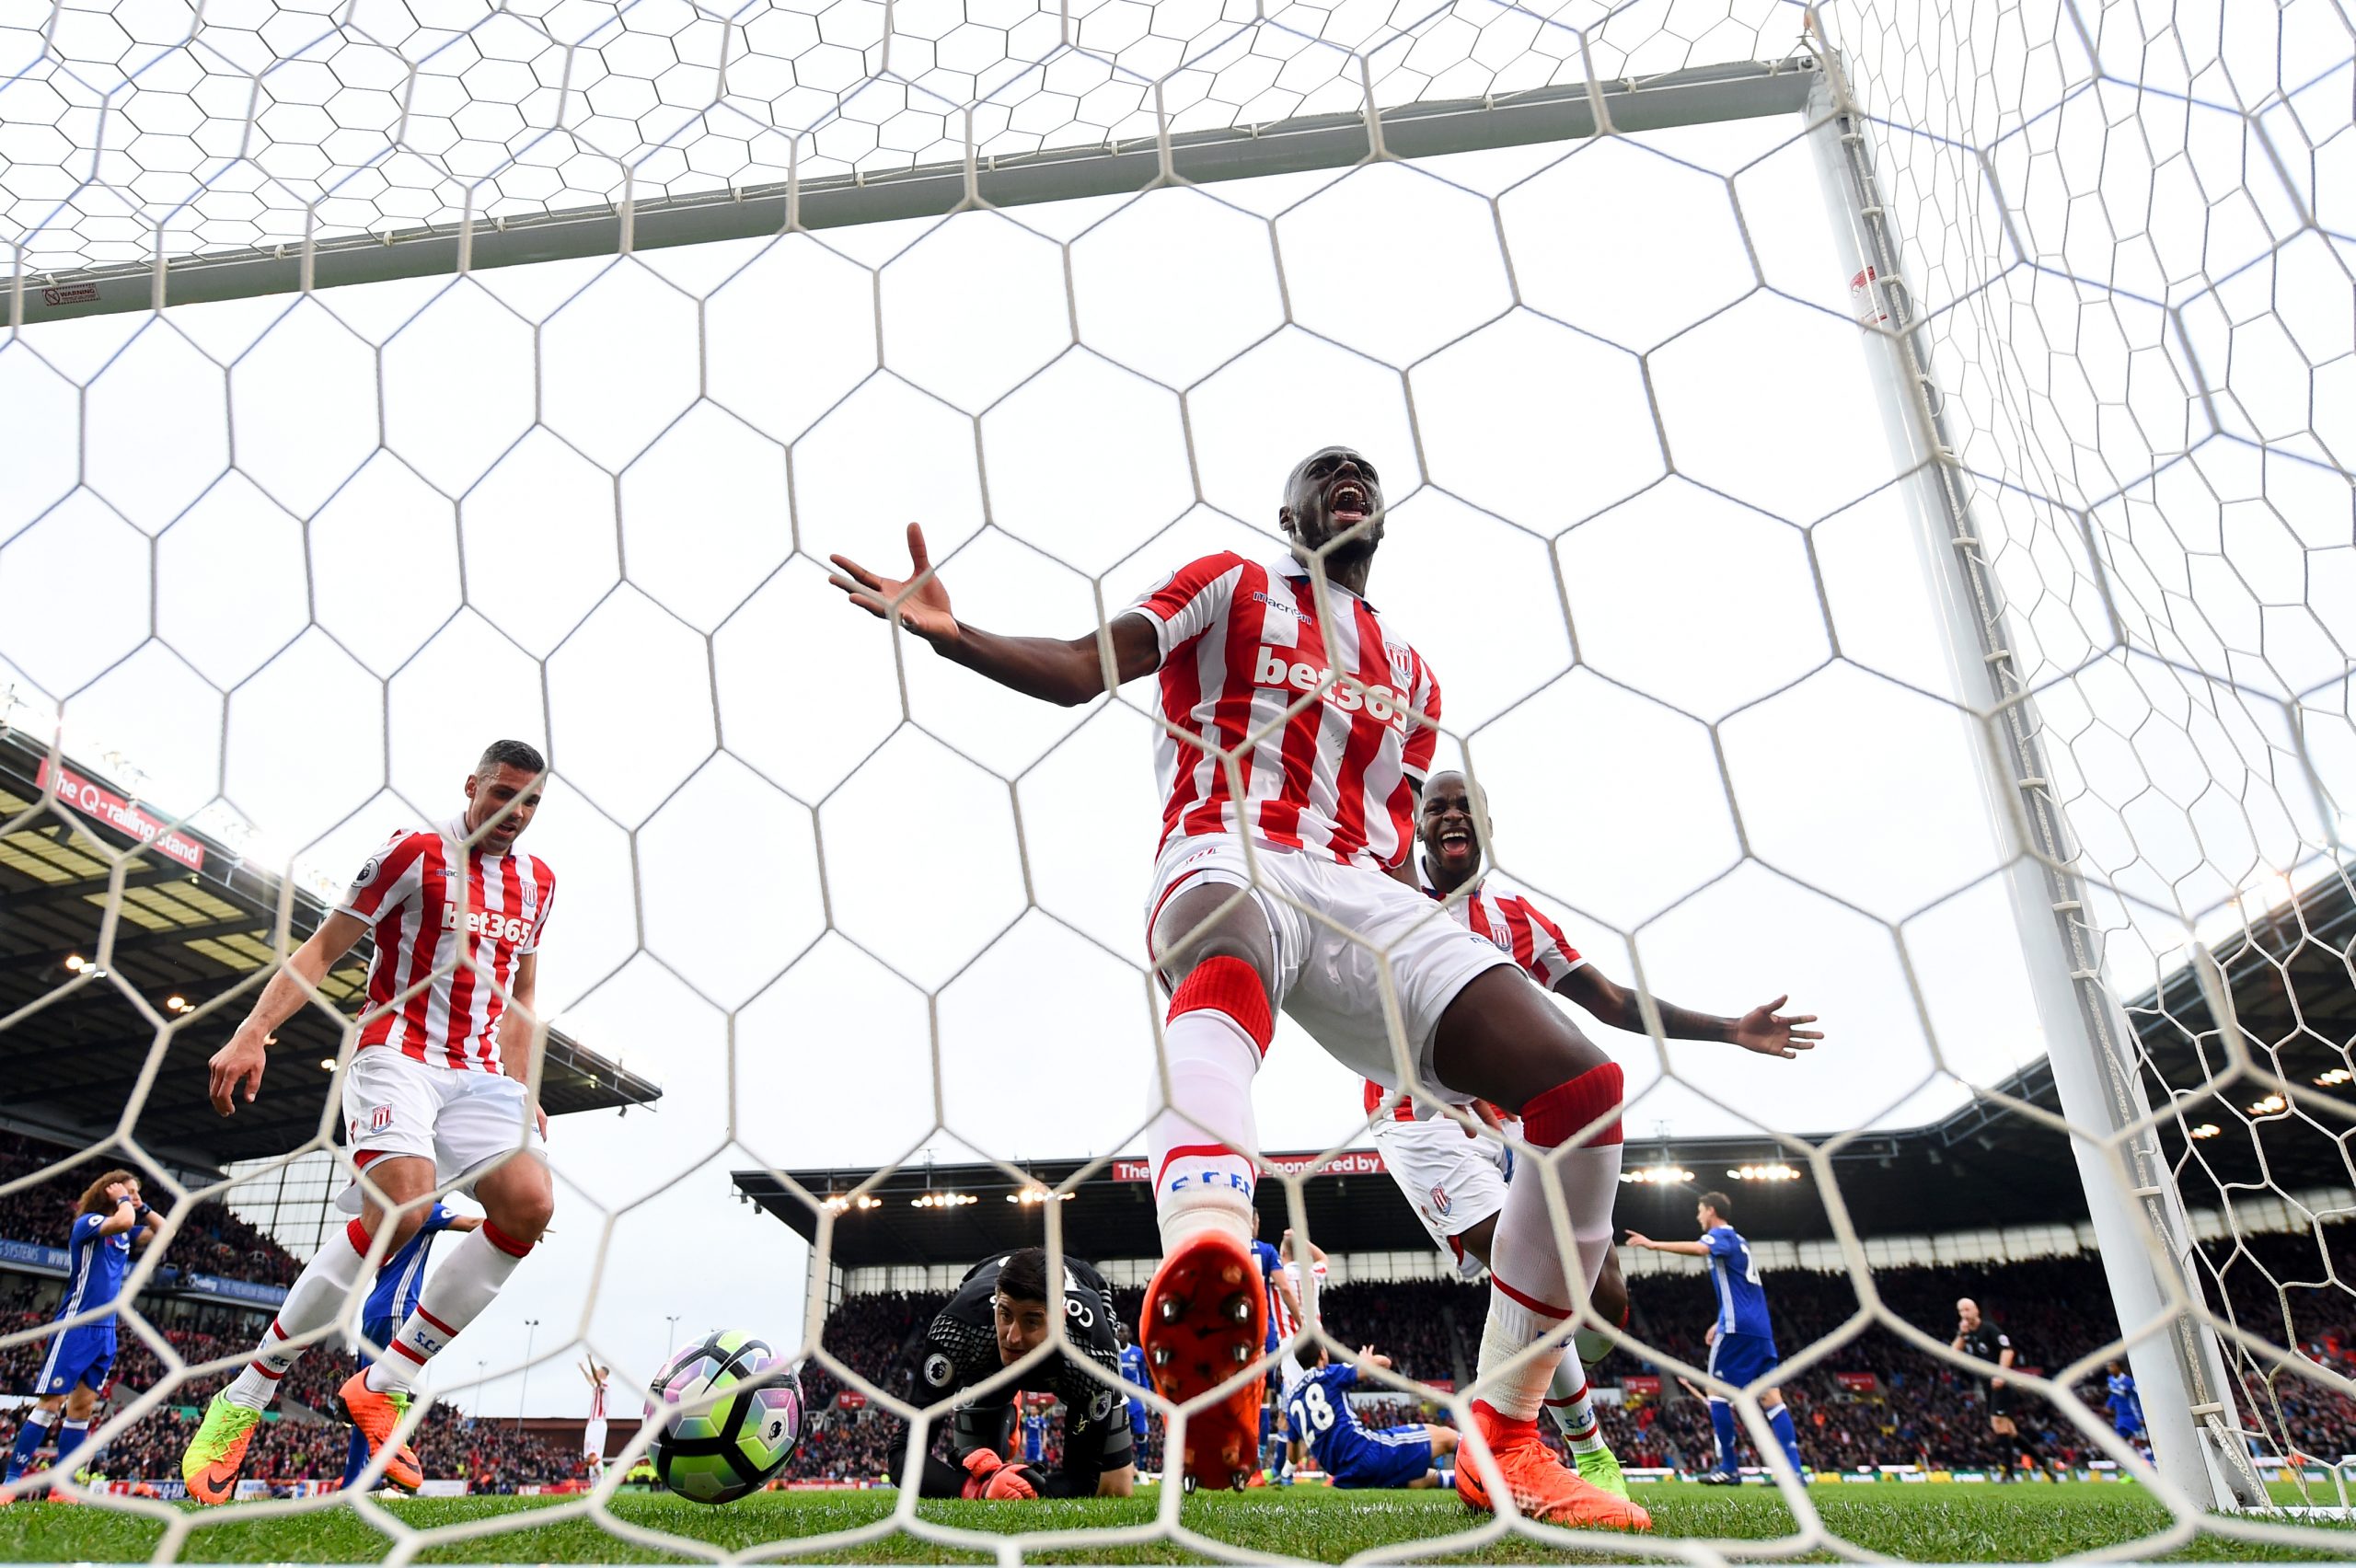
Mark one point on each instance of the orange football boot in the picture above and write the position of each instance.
(1543, 1487)
(1205, 1319)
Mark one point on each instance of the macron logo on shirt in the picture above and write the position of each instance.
(1381, 704)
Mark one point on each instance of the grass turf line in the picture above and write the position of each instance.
(1951, 1524)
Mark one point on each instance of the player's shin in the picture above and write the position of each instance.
(1531, 1289)
(455, 1295)
(30, 1438)
(74, 1452)
(1722, 1424)
(314, 1300)
(1571, 1405)
(1779, 1420)
(1203, 1139)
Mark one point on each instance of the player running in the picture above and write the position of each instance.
(1456, 1181)
(1297, 727)
(111, 1222)
(1984, 1341)
(1284, 1320)
(1742, 1340)
(999, 1315)
(433, 1100)
(1325, 1428)
(401, 1280)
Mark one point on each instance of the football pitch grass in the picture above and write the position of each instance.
(1924, 1523)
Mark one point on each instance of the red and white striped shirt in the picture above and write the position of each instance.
(1496, 908)
(1242, 643)
(456, 920)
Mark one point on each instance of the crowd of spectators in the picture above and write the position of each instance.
(1898, 1404)
(1919, 1409)
(210, 1240)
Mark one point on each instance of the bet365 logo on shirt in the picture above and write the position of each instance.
(1381, 704)
(485, 923)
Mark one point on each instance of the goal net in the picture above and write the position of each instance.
(1873, 479)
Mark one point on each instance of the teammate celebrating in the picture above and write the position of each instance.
(999, 1315)
(1297, 727)
(1455, 1181)
(1325, 1428)
(592, 1431)
(435, 1098)
(1984, 1341)
(401, 1280)
(1742, 1340)
(111, 1222)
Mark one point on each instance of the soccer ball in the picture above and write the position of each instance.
(740, 1441)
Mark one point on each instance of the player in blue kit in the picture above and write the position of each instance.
(1742, 1342)
(1325, 1428)
(401, 1280)
(1133, 1373)
(1284, 1317)
(111, 1222)
(2126, 1405)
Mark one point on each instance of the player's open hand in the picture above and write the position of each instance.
(923, 608)
(1772, 1034)
(237, 1067)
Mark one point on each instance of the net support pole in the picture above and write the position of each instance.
(2138, 1218)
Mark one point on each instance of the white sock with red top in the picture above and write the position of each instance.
(1530, 1291)
(1573, 1407)
(317, 1299)
(455, 1295)
(1219, 1029)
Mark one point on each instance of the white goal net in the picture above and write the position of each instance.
(1873, 481)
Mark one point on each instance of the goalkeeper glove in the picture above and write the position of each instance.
(988, 1476)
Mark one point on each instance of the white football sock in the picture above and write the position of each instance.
(1531, 1290)
(1201, 1142)
(317, 1299)
(455, 1295)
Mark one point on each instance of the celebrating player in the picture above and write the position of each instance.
(1297, 727)
(1455, 1181)
(112, 1221)
(1325, 1428)
(1984, 1341)
(435, 1098)
(999, 1315)
(1742, 1340)
(401, 1280)
(592, 1431)
(1284, 1319)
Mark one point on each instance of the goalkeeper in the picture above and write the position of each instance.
(1002, 1312)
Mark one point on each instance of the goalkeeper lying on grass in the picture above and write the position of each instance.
(1000, 1314)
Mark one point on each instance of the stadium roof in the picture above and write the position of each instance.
(1983, 1167)
(196, 919)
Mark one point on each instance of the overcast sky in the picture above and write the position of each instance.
(1675, 438)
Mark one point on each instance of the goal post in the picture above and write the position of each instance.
(2138, 1214)
(1699, 95)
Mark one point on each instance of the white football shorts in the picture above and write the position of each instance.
(1452, 1181)
(1332, 986)
(465, 1121)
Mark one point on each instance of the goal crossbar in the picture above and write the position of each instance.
(1744, 91)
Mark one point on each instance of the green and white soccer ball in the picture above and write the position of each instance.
(741, 1440)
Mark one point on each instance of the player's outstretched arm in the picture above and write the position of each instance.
(236, 1067)
(1065, 673)
(1762, 1029)
(1691, 1249)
